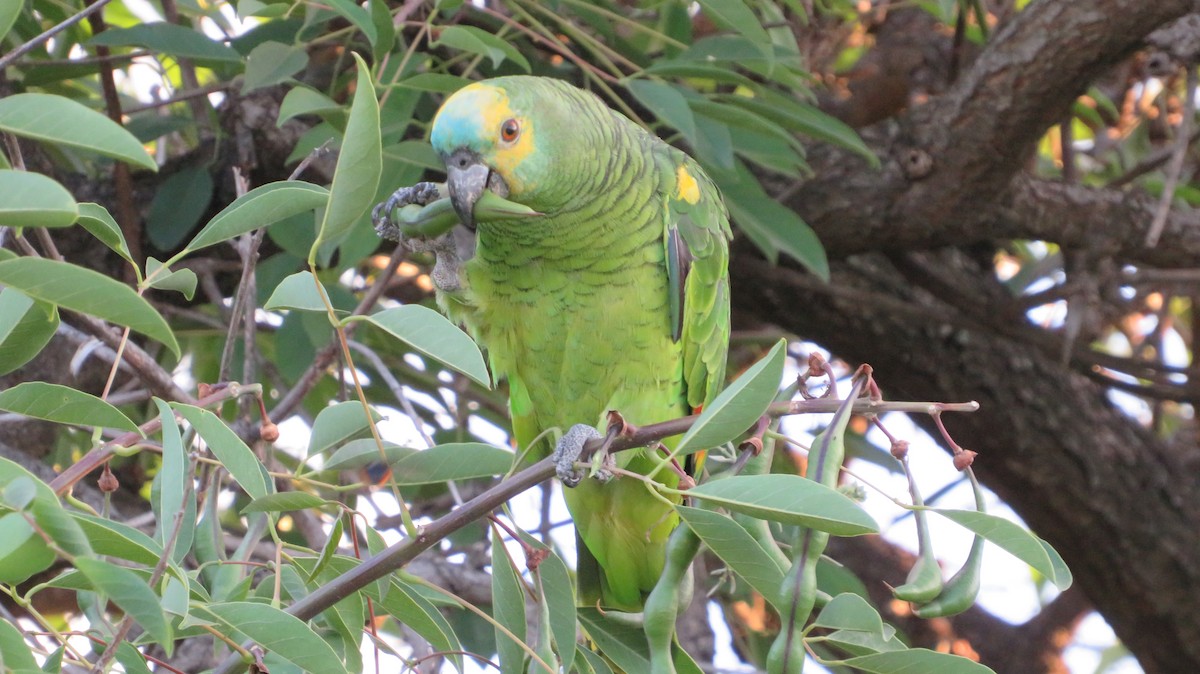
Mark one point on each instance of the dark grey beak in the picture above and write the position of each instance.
(466, 179)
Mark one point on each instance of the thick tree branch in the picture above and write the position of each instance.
(951, 166)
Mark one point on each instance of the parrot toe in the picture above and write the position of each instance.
(606, 470)
(567, 452)
(421, 194)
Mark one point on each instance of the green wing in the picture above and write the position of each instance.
(697, 241)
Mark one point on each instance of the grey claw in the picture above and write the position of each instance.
(421, 194)
(567, 452)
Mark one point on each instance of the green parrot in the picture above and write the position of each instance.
(615, 297)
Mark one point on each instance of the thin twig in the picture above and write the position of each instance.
(51, 32)
(1175, 167)
(98, 455)
(181, 96)
(126, 215)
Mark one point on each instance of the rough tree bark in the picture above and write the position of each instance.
(911, 294)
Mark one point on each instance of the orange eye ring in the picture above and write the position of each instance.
(509, 130)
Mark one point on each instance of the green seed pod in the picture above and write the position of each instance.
(963, 587)
(960, 591)
(799, 595)
(924, 579)
(666, 600)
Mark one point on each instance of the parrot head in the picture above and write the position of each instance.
(498, 135)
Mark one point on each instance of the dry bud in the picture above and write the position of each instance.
(899, 449)
(534, 557)
(268, 431)
(964, 459)
(754, 444)
(108, 482)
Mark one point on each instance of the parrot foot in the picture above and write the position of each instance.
(421, 194)
(451, 249)
(568, 450)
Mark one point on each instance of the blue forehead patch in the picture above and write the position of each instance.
(469, 119)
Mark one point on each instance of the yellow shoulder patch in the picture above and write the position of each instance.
(688, 190)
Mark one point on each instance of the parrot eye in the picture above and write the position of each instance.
(509, 130)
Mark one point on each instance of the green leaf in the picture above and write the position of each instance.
(127, 590)
(172, 475)
(856, 642)
(87, 292)
(115, 539)
(358, 16)
(478, 41)
(63, 405)
(700, 71)
(590, 662)
(229, 450)
(430, 333)
(735, 15)
(131, 659)
(10, 10)
(14, 652)
(714, 144)
(338, 423)
(260, 207)
(33, 200)
(805, 119)
(301, 100)
(667, 104)
(381, 19)
(359, 165)
(280, 632)
(284, 502)
(625, 644)
(26, 326)
(182, 281)
(737, 407)
(418, 153)
(55, 119)
(178, 205)
(1016, 540)
(405, 603)
(850, 612)
(271, 63)
(169, 38)
(440, 83)
(60, 526)
(296, 292)
(773, 227)
(508, 606)
(790, 499)
(915, 660)
(558, 591)
(96, 220)
(11, 471)
(738, 549)
(19, 493)
(359, 453)
(329, 551)
(834, 579)
(25, 553)
(455, 461)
